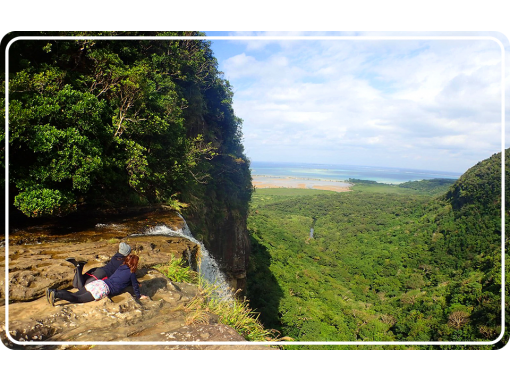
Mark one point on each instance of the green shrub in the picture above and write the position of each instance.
(176, 271)
(44, 202)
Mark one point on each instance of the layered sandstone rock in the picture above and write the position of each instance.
(159, 322)
(36, 261)
(34, 268)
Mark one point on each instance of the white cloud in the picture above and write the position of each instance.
(260, 44)
(431, 101)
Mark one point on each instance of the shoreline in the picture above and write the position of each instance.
(265, 176)
(273, 182)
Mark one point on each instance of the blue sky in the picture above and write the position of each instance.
(424, 104)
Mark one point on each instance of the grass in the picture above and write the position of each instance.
(176, 270)
(264, 194)
(176, 204)
(279, 194)
(231, 312)
(289, 192)
(382, 188)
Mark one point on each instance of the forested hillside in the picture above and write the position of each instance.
(383, 263)
(116, 122)
(100, 124)
(432, 186)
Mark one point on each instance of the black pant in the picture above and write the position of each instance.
(78, 278)
(81, 296)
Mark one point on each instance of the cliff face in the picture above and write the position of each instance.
(226, 237)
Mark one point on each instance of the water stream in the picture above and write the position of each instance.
(312, 228)
(207, 266)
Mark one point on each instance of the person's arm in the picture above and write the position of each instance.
(136, 287)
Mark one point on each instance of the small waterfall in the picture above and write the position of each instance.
(207, 266)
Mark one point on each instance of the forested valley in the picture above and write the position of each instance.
(416, 262)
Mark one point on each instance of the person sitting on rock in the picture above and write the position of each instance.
(98, 289)
(100, 273)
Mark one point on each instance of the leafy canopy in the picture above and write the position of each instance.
(119, 122)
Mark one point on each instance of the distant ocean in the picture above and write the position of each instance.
(344, 172)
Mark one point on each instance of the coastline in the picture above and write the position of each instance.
(274, 182)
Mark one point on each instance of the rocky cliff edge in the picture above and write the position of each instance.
(35, 265)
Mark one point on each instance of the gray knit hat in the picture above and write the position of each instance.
(124, 249)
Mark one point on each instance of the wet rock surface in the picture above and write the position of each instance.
(99, 225)
(37, 262)
(36, 267)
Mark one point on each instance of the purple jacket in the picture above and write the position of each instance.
(122, 278)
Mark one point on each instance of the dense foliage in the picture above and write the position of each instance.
(432, 186)
(381, 263)
(120, 122)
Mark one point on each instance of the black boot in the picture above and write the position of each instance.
(72, 260)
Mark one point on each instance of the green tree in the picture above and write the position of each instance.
(116, 122)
